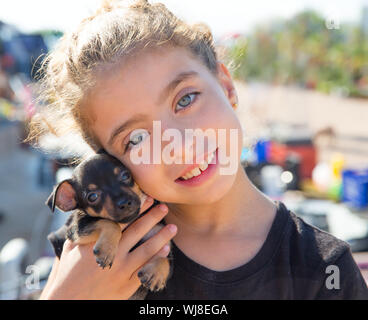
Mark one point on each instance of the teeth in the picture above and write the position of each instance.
(210, 158)
(188, 176)
(203, 166)
(197, 171)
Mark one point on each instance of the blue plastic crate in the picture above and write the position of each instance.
(355, 188)
(262, 150)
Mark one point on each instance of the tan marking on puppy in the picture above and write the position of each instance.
(156, 273)
(139, 192)
(92, 212)
(157, 270)
(90, 234)
(102, 214)
(92, 187)
(107, 243)
(92, 237)
(116, 170)
(106, 234)
(109, 206)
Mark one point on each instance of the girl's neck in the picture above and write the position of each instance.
(241, 209)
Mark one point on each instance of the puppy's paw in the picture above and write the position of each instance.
(154, 274)
(104, 258)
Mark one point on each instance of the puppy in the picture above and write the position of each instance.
(101, 194)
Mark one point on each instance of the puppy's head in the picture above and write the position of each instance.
(102, 187)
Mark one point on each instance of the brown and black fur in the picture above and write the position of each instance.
(100, 195)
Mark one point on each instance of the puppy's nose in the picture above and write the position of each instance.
(124, 203)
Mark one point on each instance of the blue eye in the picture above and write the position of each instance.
(136, 139)
(187, 100)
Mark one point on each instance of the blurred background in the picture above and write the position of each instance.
(301, 73)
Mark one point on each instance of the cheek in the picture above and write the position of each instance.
(229, 129)
(147, 177)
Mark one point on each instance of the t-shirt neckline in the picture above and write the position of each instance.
(264, 255)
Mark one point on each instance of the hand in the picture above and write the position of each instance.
(77, 275)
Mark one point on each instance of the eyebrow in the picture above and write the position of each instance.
(141, 117)
(174, 83)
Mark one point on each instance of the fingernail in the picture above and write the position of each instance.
(163, 208)
(166, 248)
(172, 228)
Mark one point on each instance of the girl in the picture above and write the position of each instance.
(134, 63)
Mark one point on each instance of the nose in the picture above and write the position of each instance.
(124, 203)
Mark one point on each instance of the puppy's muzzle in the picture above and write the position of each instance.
(126, 204)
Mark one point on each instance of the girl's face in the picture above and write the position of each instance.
(199, 100)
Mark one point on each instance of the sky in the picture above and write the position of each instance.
(223, 17)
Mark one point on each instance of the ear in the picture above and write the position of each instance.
(225, 80)
(63, 196)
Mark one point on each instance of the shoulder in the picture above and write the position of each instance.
(319, 257)
(317, 247)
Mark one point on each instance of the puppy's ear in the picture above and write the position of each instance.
(63, 196)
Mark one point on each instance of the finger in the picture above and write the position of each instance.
(139, 228)
(163, 253)
(51, 278)
(67, 246)
(147, 203)
(151, 247)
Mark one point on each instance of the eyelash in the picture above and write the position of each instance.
(127, 146)
(196, 94)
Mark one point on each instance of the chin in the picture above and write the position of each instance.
(213, 193)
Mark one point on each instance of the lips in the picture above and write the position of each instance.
(203, 177)
(197, 169)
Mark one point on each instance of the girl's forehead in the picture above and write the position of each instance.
(151, 67)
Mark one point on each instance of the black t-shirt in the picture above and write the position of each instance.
(297, 261)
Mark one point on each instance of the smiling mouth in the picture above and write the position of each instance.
(199, 169)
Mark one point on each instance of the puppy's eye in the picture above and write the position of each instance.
(124, 176)
(92, 197)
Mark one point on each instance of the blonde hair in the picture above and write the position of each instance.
(117, 31)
